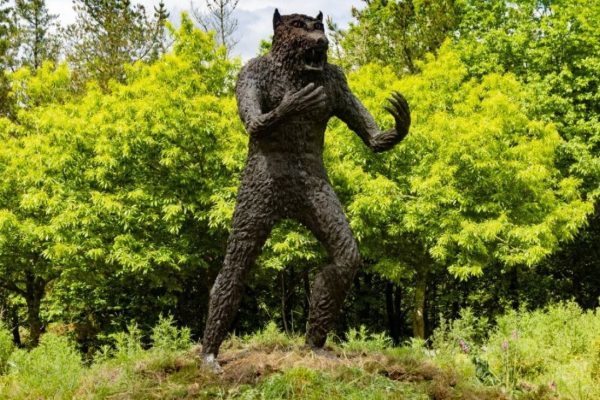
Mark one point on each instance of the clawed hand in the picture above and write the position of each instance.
(401, 113)
(399, 109)
(305, 99)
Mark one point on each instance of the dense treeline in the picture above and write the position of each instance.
(121, 153)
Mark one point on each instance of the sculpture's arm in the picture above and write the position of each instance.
(357, 117)
(250, 109)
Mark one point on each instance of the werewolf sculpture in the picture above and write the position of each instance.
(285, 99)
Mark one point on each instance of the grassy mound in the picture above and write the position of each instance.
(255, 368)
(544, 354)
(267, 365)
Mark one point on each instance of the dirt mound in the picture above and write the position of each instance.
(251, 365)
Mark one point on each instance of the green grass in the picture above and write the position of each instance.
(546, 354)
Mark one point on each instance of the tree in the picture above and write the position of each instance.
(37, 29)
(473, 189)
(6, 31)
(219, 18)
(111, 33)
(551, 46)
(397, 33)
(134, 201)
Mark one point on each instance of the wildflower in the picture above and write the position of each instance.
(552, 386)
(464, 346)
(515, 334)
(505, 345)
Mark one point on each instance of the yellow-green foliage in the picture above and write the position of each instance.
(475, 181)
(346, 383)
(137, 179)
(359, 340)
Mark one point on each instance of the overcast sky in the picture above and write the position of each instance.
(254, 16)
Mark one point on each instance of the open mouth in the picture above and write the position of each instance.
(314, 59)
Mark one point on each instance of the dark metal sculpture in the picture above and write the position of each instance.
(285, 99)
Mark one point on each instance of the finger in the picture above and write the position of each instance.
(315, 93)
(392, 111)
(397, 108)
(306, 89)
(314, 102)
(400, 109)
(395, 103)
(406, 113)
(402, 100)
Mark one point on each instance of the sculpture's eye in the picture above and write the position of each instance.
(298, 24)
(319, 26)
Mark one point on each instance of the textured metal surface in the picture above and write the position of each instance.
(285, 99)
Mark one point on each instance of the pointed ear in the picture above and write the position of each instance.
(320, 16)
(276, 19)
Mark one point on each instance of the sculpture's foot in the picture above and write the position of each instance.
(321, 352)
(211, 362)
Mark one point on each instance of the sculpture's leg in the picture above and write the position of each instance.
(326, 219)
(253, 220)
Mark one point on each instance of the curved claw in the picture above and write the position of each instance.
(392, 111)
(398, 110)
(402, 100)
(396, 105)
(402, 105)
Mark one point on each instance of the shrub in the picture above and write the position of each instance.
(554, 350)
(166, 336)
(556, 347)
(51, 370)
(363, 342)
(270, 338)
(128, 345)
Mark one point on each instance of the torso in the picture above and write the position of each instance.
(295, 146)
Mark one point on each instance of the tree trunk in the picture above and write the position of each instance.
(419, 307)
(34, 320)
(34, 292)
(287, 292)
(393, 299)
(14, 323)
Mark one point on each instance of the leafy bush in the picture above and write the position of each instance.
(557, 347)
(166, 336)
(554, 350)
(128, 345)
(362, 341)
(460, 334)
(270, 338)
(52, 370)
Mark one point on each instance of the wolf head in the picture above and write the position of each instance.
(300, 40)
